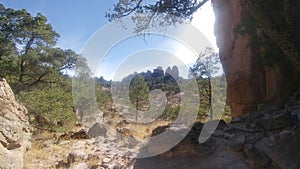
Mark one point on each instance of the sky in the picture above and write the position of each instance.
(78, 21)
(74, 20)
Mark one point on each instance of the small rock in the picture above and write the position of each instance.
(64, 142)
(104, 166)
(117, 167)
(106, 160)
(76, 155)
(81, 166)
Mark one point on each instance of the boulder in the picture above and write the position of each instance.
(97, 130)
(284, 151)
(81, 166)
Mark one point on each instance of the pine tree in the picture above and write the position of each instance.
(138, 92)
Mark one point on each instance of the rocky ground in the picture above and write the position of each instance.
(268, 138)
(77, 154)
(108, 145)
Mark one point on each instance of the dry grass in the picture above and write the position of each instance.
(43, 153)
(145, 130)
(139, 130)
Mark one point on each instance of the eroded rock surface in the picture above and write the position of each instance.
(250, 79)
(14, 129)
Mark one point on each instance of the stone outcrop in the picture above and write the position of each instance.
(250, 81)
(98, 129)
(159, 79)
(14, 129)
(264, 139)
(174, 72)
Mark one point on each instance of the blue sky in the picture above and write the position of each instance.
(76, 22)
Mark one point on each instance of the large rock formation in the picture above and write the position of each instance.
(14, 129)
(250, 77)
(174, 72)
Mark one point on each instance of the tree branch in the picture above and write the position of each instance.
(129, 11)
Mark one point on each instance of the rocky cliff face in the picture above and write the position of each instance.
(14, 129)
(251, 79)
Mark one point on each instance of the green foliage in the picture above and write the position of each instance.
(27, 47)
(103, 97)
(227, 114)
(51, 108)
(138, 93)
(159, 13)
(9, 68)
(36, 69)
(203, 70)
(171, 113)
(170, 85)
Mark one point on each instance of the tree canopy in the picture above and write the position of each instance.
(37, 70)
(159, 13)
(273, 21)
(138, 93)
(27, 49)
